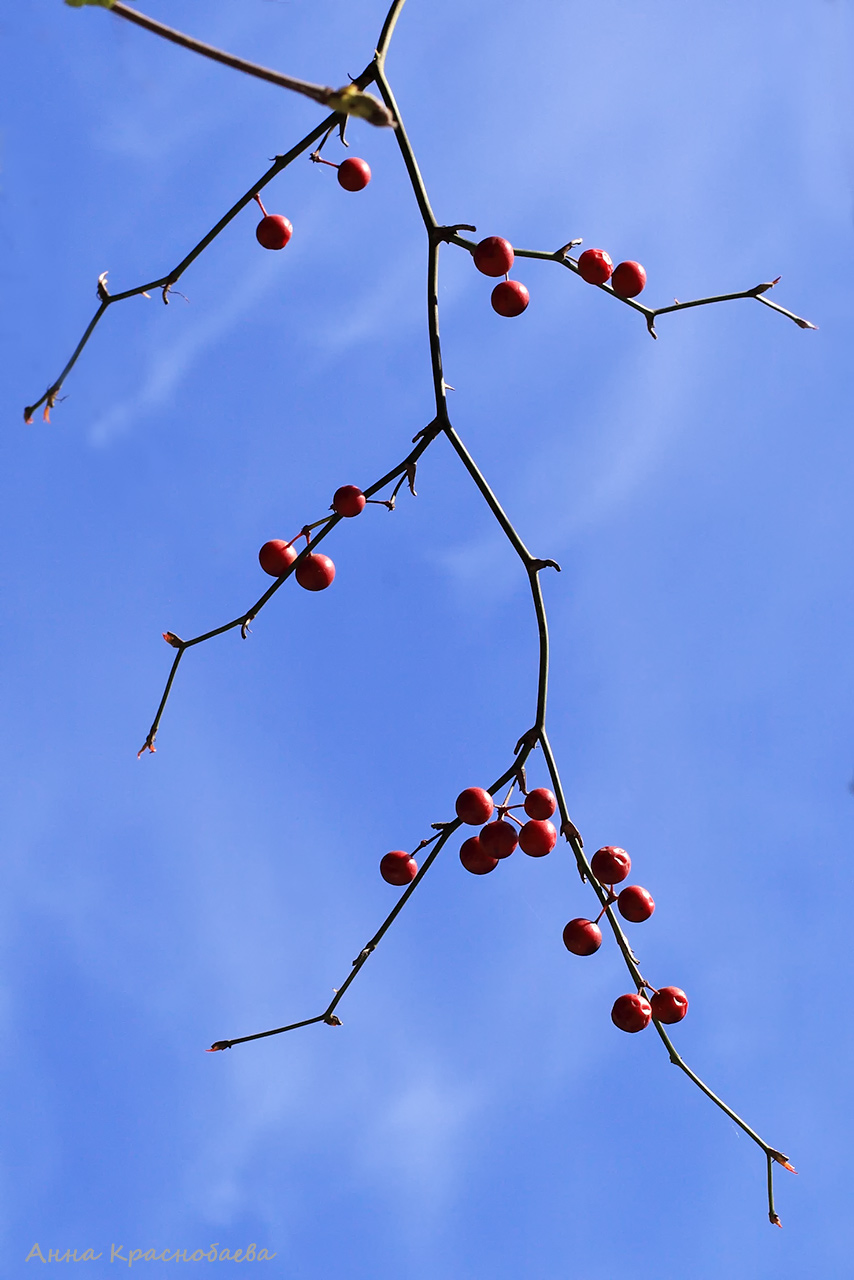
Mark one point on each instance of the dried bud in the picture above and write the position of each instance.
(353, 102)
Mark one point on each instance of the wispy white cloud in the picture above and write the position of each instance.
(171, 363)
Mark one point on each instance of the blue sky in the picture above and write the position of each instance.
(477, 1114)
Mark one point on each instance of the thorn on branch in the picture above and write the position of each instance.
(446, 234)
(410, 476)
(570, 831)
(529, 740)
(429, 432)
(175, 641)
(103, 291)
(148, 745)
(781, 1159)
(217, 1045)
(564, 250)
(774, 1220)
(537, 565)
(650, 324)
(332, 1020)
(763, 288)
(244, 627)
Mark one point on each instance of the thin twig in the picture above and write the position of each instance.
(350, 99)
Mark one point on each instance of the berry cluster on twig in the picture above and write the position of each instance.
(493, 256)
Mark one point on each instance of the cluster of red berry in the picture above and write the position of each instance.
(498, 839)
(632, 1012)
(274, 231)
(627, 278)
(494, 257)
(481, 854)
(316, 571)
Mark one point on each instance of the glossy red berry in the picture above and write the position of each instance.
(670, 1004)
(273, 231)
(315, 573)
(582, 937)
(494, 256)
(499, 839)
(474, 806)
(595, 266)
(398, 867)
(537, 838)
(635, 904)
(628, 279)
(610, 864)
(354, 174)
(475, 858)
(631, 1013)
(540, 803)
(275, 557)
(510, 298)
(348, 500)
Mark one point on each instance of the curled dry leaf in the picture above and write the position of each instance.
(355, 102)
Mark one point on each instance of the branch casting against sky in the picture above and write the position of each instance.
(353, 100)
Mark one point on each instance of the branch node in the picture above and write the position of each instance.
(217, 1045)
(332, 1020)
(528, 739)
(537, 565)
(175, 641)
(364, 953)
(564, 250)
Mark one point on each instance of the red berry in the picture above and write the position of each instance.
(631, 1013)
(354, 174)
(595, 266)
(610, 865)
(494, 256)
(635, 904)
(475, 859)
(582, 937)
(628, 279)
(398, 867)
(275, 557)
(499, 839)
(510, 298)
(315, 572)
(537, 838)
(273, 231)
(474, 806)
(348, 500)
(670, 1004)
(540, 803)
